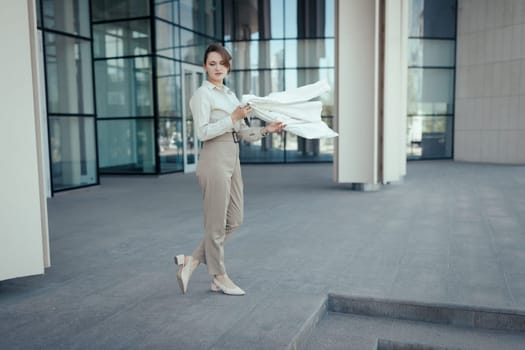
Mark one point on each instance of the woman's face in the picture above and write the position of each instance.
(216, 68)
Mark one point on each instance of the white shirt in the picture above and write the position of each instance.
(212, 107)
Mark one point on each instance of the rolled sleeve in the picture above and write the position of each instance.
(250, 134)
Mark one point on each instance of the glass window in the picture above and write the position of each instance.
(168, 10)
(257, 54)
(299, 149)
(202, 16)
(39, 13)
(290, 12)
(124, 87)
(311, 16)
(67, 16)
(104, 10)
(171, 145)
(430, 91)
(277, 18)
(269, 149)
(299, 77)
(168, 88)
(69, 75)
(262, 64)
(247, 20)
(73, 153)
(168, 44)
(330, 18)
(128, 38)
(429, 137)
(436, 53)
(309, 19)
(433, 19)
(126, 146)
(193, 47)
(259, 83)
(310, 53)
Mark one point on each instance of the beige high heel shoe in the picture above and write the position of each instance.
(185, 271)
(216, 286)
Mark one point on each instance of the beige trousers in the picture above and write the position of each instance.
(220, 179)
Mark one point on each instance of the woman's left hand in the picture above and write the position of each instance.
(274, 127)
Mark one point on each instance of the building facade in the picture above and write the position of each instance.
(119, 75)
(102, 87)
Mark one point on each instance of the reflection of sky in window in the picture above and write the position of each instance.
(277, 18)
(329, 18)
(274, 50)
(290, 26)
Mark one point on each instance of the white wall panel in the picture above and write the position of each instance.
(356, 89)
(371, 150)
(23, 225)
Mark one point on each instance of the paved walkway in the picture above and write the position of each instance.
(451, 233)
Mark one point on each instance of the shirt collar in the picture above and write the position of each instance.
(211, 86)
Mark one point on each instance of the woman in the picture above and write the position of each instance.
(219, 119)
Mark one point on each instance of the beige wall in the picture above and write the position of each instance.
(23, 216)
(370, 149)
(490, 82)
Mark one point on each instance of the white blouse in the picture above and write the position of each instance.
(212, 107)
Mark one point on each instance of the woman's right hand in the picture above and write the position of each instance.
(241, 112)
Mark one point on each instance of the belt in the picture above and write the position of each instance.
(230, 136)
(235, 136)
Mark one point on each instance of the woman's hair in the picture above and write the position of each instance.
(221, 51)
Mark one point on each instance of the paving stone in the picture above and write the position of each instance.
(451, 233)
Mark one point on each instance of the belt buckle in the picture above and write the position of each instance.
(235, 137)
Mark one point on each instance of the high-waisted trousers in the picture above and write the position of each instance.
(219, 174)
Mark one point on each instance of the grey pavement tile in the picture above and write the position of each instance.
(513, 263)
(426, 260)
(516, 284)
(484, 274)
(476, 229)
(481, 294)
(505, 224)
(474, 263)
(420, 284)
(510, 241)
(112, 248)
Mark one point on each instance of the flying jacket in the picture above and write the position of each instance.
(292, 107)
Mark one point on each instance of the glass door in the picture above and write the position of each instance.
(192, 78)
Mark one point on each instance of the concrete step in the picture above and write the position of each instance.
(279, 321)
(377, 324)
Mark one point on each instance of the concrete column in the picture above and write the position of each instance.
(24, 245)
(394, 130)
(371, 39)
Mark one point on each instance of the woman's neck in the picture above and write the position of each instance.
(219, 84)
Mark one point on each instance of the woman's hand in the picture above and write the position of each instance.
(241, 112)
(274, 127)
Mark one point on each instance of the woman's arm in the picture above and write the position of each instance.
(256, 133)
(201, 110)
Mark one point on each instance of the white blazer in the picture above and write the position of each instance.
(292, 107)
